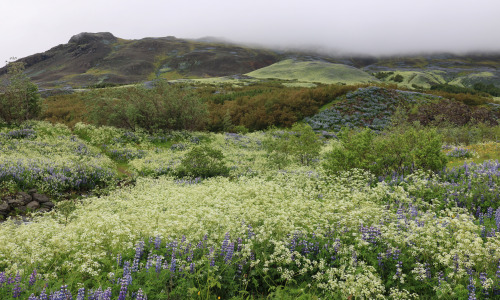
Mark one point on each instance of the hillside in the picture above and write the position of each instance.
(101, 58)
(313, 71)
(92, 58)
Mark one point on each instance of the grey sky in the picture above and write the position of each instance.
(362, 26)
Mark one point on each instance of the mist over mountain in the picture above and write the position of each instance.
(95, 58)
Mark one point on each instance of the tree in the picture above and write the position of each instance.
(19, 98)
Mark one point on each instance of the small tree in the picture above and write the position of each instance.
(19, 98)
(300, 143)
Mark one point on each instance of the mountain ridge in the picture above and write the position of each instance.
(95, 58)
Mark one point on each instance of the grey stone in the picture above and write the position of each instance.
(4, 206)
(32, 191)
(25, 197)
(33, 205)
(48, 204)
(44, 209)
(14, 201)
(40, 198)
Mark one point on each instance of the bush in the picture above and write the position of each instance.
(203, 161)
(401, 150)
(165, 107)
(19, 100)
(300, 143)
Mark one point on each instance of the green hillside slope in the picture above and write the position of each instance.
(313, 71)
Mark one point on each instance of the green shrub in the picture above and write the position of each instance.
(300, 144)
(400, 150)
(165, 107)
(19, 99)
(202, 161)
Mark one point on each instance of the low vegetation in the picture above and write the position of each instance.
(254, 192)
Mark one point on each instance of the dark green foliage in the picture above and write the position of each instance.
(479, 88)
(165, 107)
(203, 161)
(487, 88)
(382, 75)
(19, 99)
(299, 144)
(398, 78)
(400, 150)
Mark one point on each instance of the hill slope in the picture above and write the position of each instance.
(94, 58)
(91, 58)
(313, 71)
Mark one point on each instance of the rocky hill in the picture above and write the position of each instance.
(92, 58)
(101, 58)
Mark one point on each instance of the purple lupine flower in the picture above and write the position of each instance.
(440, 278)
(497, 219)
(123, 290)
(43, 295)
(157, 242)
(16, 291)
(173, 265)
(149, 262)
(18, 278)
(472, 289)
(119, 259)
(106, 295)
(81, 294)
(141, 295)
(250, 232)
(489, 213)
(32, 278)
(399, 268)
(33, 297)
(3, 279)
(483, 278)
(158, 264)
(428, 273)
(229, 253)
(225, 242)
(455, 260)
(191, 268)
(65, 293)
(379, 258)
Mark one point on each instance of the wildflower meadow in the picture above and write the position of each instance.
(135, 219)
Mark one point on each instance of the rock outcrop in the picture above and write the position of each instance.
(23, 202)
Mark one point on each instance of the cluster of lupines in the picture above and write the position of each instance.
(123, 153)
(25, 133)
(52, 160)
(370, 107)
(458, 152)
(475, 187)
(365, 262)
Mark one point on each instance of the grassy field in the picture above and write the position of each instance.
(313, 71)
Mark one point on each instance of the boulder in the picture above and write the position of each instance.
(33, 205)
(48, 205)
(14, 201)
(4, 207)
(25, 197)
(40, 198)
(32, 191)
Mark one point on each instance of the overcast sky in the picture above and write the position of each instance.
(362, 26)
